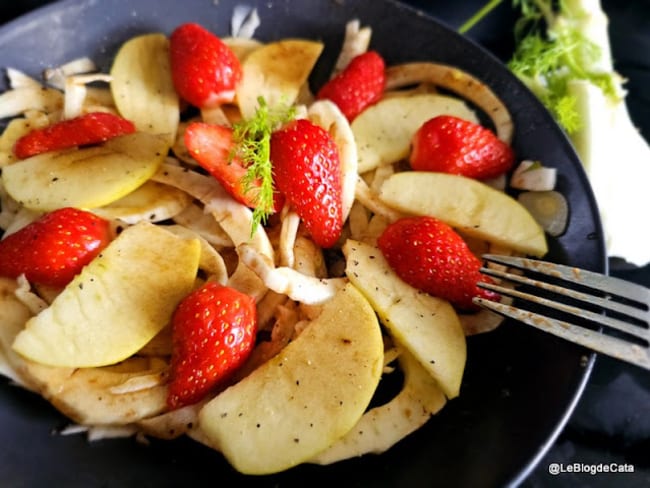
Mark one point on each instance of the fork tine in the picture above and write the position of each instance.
(608, 284)
(604, 303)
(633, 330)
(611, 346)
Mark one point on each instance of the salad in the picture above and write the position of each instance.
(197, 244)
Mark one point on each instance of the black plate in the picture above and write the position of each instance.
(520, 386)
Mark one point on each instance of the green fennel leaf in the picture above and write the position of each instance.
(551, 50)
(253, 147)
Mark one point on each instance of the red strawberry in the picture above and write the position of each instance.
(429, 255)
(307, 171)
(213, 334)
(91, 128)
(205, 71)
(449, 144)
(54, 248)
(359, 85)
(212, 146)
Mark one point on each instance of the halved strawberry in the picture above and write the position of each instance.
(205, 71)
(213, 333)
(54, 248)
(213, 147)
(359, 85)
(91, 128)
(449, 144)
(307, 171)
(429, 255)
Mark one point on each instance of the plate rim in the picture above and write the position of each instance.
(42, 11)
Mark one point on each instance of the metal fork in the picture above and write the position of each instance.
(607, 306)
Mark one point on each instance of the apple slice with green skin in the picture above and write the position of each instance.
(85, 178)
(142, 85)
(305, 398)
(427, 326)
(382, 427)
(468, 205)
(118, 302)
(384, 131)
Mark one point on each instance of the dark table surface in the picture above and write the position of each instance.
(611, 423)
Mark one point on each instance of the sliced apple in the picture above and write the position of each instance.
(152, 202)
(142, 85)
(242, 46)
(115, 395)
(426, 326)
(384, 131)
(15, 129)
(382, 427)
(117, 304)
(305, 398)
(472, 207)
(85, 178)
(277, 72)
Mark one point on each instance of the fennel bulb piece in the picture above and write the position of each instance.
(615, 155)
